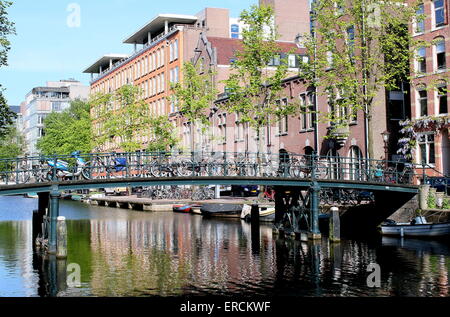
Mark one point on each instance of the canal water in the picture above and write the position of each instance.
(127, 253)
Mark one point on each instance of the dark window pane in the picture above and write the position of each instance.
(423, 103)
(441, 61)
(431, 158)
(443, 105)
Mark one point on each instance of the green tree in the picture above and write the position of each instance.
(6, 28)
(11, 146)
(254, 88)
(122, 116)
(358, 49)
(162, 133)
(68, 131)
(194, 97)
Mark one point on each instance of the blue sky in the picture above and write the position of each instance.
(47, 49)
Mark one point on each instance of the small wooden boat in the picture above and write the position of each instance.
(418, 228)
(221, 210)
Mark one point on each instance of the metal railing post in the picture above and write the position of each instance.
(55, 160)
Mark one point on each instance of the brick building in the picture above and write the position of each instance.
(429, 89)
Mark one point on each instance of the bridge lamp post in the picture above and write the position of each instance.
(386, 134)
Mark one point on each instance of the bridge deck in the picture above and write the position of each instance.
(205, 180)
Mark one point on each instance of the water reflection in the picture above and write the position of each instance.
(124, 253)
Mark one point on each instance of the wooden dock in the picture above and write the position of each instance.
(147, 204)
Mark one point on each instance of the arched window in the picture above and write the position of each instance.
(355, 163)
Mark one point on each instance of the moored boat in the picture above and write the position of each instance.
(182, 208)
(418, 228)
(266, 214)
(221, 210)
(196, 210)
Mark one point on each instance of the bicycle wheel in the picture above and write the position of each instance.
(184, 169)
(158, 170)
(295, 168)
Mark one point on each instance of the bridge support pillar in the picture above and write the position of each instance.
(314, 196)
(54, 214)
(38, 216)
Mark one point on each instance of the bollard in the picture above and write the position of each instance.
(61, 250)
(423, 196)
(335, 225)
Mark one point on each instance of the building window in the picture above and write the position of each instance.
(174, 51)
(56, 106)
(440, 54)
(334, 164)
(356, 163)
(439, 16)
(303, 112)
(420, 23)
(283, 123)
(235, 31)
(423, 102)
(442, 99)
(275, 61)
(292, 61)
(421, 67)
(426, 145)
(311, 110)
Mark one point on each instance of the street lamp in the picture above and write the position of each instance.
(386, 134)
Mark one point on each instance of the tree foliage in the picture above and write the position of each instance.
(163, 137)
(67, 131)
(123, 117)
(195, 96)
(253, 87)
(12, 144)
(6, 28)
(358, 48)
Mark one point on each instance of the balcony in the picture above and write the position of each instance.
(339, 134)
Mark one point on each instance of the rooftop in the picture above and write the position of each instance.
(51, 89)
(104, 62)
(156, 25)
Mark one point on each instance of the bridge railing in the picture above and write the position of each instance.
(28, 170)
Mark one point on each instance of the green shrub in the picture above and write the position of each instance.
(431, 201)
